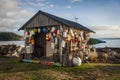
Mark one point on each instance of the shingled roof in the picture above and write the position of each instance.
(61, 21)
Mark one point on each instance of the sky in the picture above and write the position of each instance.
(102, 16)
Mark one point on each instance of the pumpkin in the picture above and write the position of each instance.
(79, 39)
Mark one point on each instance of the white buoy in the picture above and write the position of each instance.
(77, 61)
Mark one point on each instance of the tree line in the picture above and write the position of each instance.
(9, 36)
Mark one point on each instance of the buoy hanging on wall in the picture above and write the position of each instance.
(56, 31)
(56, 40)
(54, 34)
(44, 30)
(71, 33)
(63, 43)
(53, 28)
(32, 32)
(79, 39)
(35, 30)
(52, 45)
(28, 33)
(39, 30)
(32, 41)
(64, 34)
(51, 39)
(48, 29)
(47, 37)
(81, 47)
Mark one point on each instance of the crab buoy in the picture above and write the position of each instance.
(34, 30)
(81, 47)
(39, 30)
(47, 37)
(44, 30)
(77, 61)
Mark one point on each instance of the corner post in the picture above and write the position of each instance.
(60, 44)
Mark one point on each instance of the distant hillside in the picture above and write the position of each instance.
(9, 36)
(110, 38)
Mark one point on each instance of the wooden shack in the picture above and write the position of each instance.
(50, 37)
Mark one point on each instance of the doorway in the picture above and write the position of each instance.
(40, 45)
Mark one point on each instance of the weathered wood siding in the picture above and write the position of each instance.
(41, 20)
(49, 50)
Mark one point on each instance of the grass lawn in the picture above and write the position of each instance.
(11, 69)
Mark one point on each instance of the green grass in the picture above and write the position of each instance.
(12, 69)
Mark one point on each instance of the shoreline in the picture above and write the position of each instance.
(106, 49)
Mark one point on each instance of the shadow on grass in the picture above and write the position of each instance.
(12, 64)
(111, 69)
(8, 65)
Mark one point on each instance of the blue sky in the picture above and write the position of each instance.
(102, 16)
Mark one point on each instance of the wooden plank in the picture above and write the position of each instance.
(60, 45)
(41, 20)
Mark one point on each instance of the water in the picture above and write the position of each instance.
(109, 43)
(22, 43)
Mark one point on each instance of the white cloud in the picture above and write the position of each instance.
(51, 6)
(8, 5)
(109, 31)
(12, 17)
(106, 28)
(68, 7)
(76, 1)
(14, 13)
